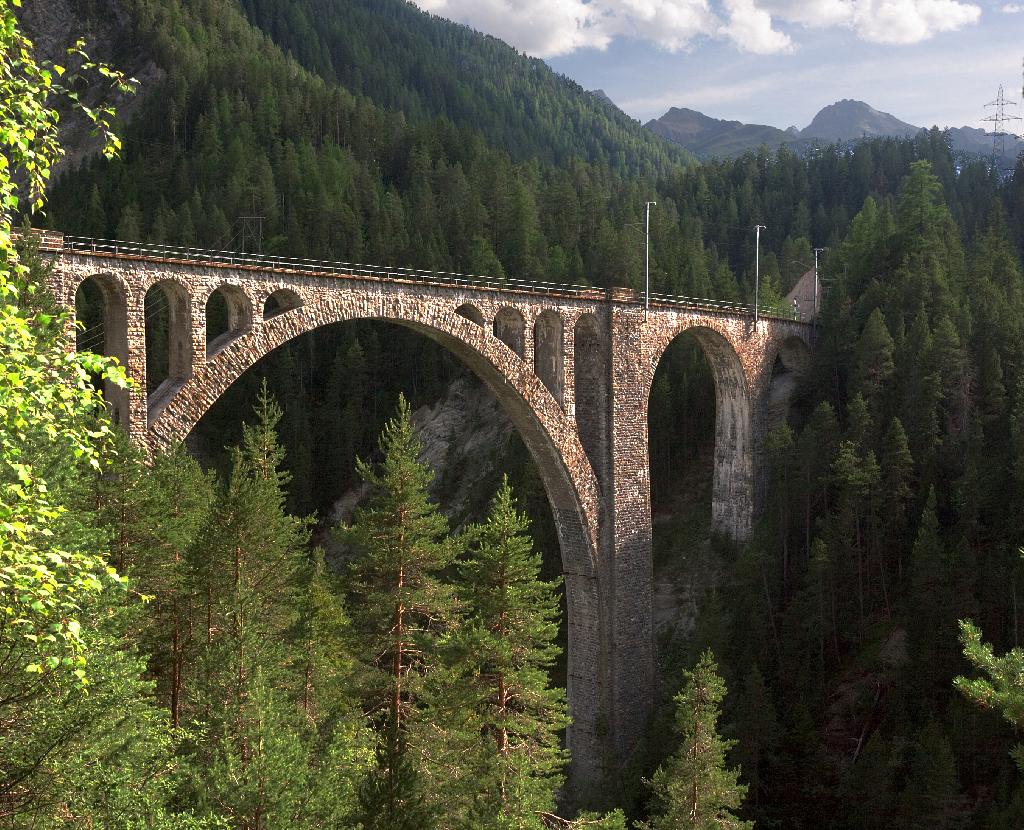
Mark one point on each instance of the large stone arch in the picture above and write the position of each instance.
(732, 492)
(551, 438)
(604, 532)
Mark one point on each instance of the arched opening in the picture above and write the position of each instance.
(789, 367)
(549, 352)
(510, 329)
(228, 315)
(101, 307)
(590, 376)
(281, 301)
(168, 338)
(699, 428)
(681, 429)
(471, 312)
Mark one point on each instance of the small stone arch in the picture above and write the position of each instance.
(471, 312)
(168, 305)
(790, 364)
(281, 301)
(549, 352)
(229, 310)
(732, 491)
(510, 329)
(794, 354)
(590, 381)
(106, 330)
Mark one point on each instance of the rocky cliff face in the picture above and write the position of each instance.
(465, 437)
(106, 27)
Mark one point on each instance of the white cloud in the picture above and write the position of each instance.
(545, 28)
(750, 28)
(550, 28)
(879, 21)
(670, 24)
(910, 21)
(1011, 8)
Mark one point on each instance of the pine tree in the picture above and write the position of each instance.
(129, 226)
(873, 364)
(400, 608)
(868, 788)
(694, 789)
(347, 400)
(816, 452)
(262, 752)
(894, 491)
(157, 515)
(321, 687)
(757, 731)
(504, 652)
(929, 795)
(1002, 687)
(931, 618)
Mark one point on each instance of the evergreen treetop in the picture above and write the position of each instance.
(694, 788)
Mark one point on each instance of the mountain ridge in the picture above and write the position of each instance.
(707, 136)
(427, 67)
(845, 120)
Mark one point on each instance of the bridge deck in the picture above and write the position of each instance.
(53, 241)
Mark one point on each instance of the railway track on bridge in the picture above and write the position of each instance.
(54, 241)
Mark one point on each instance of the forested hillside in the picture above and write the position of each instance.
(896, 490)
(407, 60)
(894, 510)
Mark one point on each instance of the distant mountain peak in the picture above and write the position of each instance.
(707, 136)
(849, 119)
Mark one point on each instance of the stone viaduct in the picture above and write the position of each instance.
(573, 368)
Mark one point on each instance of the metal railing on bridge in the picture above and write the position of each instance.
(55, 241)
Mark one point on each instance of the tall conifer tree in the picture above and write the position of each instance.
(694, 788)
(263, 753)
(508, 714)
(400, 608)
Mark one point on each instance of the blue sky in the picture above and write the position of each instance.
(772, 61)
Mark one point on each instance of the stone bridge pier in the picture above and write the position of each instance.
(572, 367)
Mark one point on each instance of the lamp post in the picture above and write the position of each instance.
(816, 252)
(757, 269)
(647, 257)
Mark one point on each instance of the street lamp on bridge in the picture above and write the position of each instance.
(647, 257)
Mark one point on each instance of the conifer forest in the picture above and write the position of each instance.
(201, 640)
